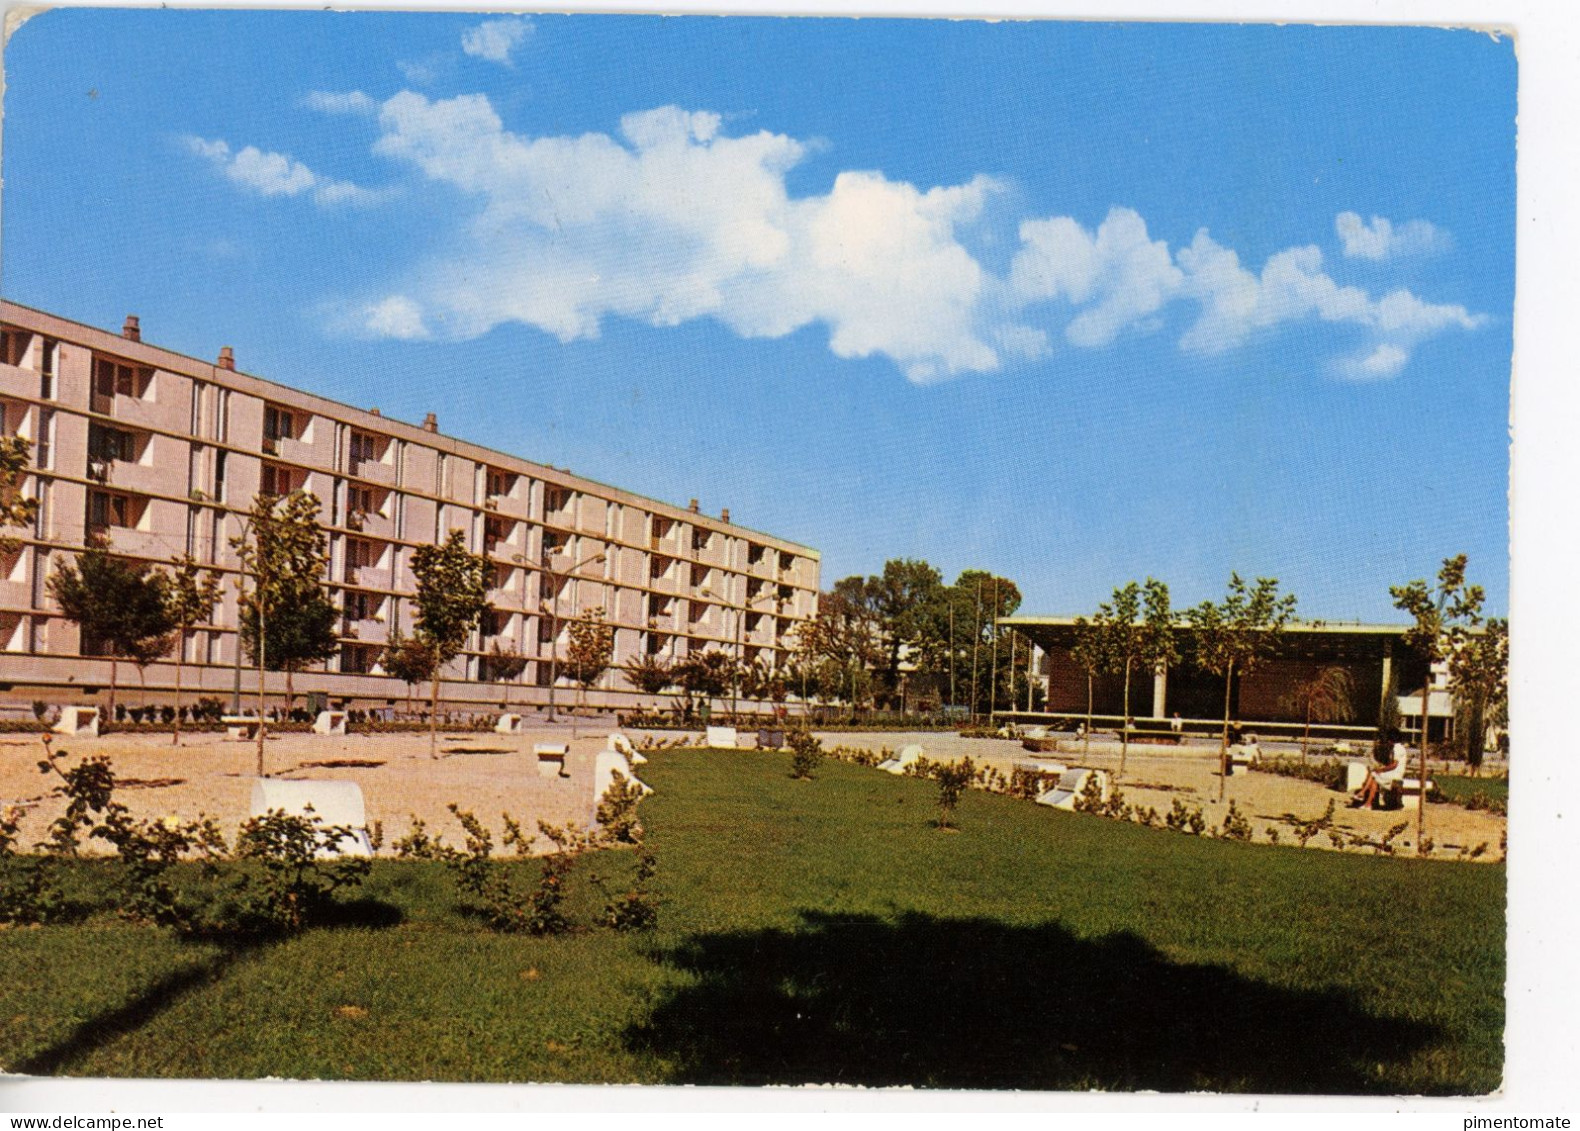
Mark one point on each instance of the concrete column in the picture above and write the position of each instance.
(1387, 677)
(1160, 686)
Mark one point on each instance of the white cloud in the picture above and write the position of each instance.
(275, 174)
(670, 219)
(495, 40)
(1118, 277)
(335, 102)
(1384, 361)
(395, 317)
(1381, 239)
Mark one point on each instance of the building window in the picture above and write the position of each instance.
(278, 424)
(120, 378)
(13, 345)
(108, 509)
(46, 370)
(106, 444)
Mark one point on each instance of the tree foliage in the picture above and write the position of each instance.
(1235, 635)
(15, 509)
(1478, 674)
(590, 649)
(118, 603)
(1325, 697)
(651, 675)
(1447, 618)
(190, 596)
(451, 598)
(286, 553)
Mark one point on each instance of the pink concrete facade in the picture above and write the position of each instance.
(163, 455)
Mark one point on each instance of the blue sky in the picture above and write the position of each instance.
(1077, 303)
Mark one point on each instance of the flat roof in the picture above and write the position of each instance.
(1356, 628)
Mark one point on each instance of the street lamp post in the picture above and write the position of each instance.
(551, 608)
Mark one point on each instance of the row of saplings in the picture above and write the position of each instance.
(283, 870)
(953, 778)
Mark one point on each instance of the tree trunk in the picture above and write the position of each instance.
(1223, 744)
(433, 717)
(1124, 732)
(1086, 738)
(181, 641)
(290, 692)
(1305, 736)
(1420, 805)
(114, 670)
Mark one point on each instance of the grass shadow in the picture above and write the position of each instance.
(976, 1003)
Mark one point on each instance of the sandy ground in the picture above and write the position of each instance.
(490, 774)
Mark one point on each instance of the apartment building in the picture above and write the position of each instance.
(163, 454)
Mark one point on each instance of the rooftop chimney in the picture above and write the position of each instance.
(374, 412)
(430, 423)
(693, 508)
(130, 330)
(725, 514)
(227, 358)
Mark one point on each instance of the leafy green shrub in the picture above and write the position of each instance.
(418, 845)
(617, 810)
(1333, 773)
(1235, 826)
(28, 892)
(1306, 828)
(636, 909)
(1183, 820)
(806, 751)
(952, 779)
(300, 868)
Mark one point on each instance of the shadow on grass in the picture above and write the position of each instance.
(974, 1003)
(104, 1029)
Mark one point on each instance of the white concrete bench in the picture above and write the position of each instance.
(330, 722)
(240, 728)
(723, 738)
(333, 802)
(1071, 785)
(78, 721)
(551, 758)
(907, 757)
(1040, 766)
(605, 766)
(508, 724)
(1244, 754)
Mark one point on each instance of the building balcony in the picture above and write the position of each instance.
(136, 543)
(373, 524)
(16, 595)
(145, 412)
(366, 577)
(293, 450)
(129, 476)
(366, 631)
(373, 471)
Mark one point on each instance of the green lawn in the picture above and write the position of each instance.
(826, 931)
(1458, 787)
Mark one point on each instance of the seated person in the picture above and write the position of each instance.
(1371, 788)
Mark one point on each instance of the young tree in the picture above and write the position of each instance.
(15, 510)
(451, 597)
(1445, 615)
(287, 620)
(1324, 698)
(116, 602)
(650, 675)
(1090, 653)
(589, 650)
(189, 602)
(1234, 636)
(1135, 635)
(706, 674)
(408, 660)
(1478, 675)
